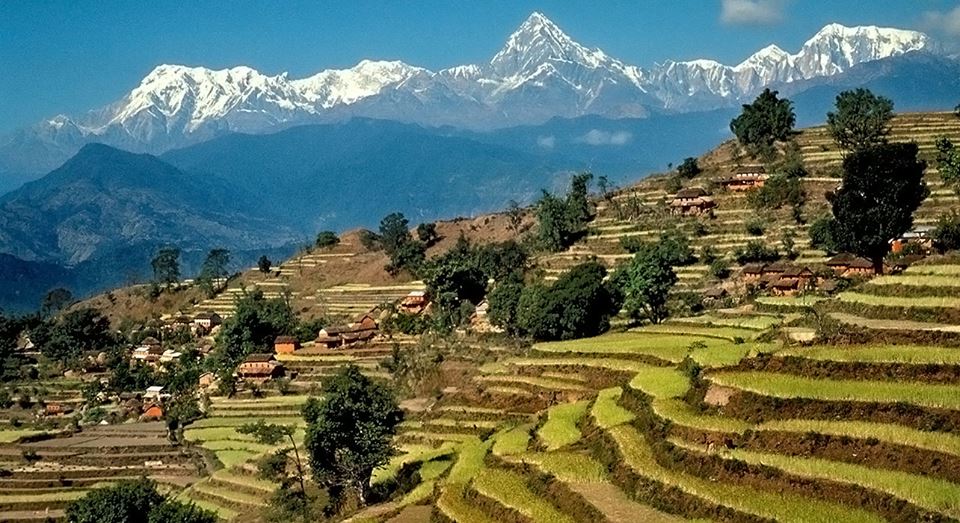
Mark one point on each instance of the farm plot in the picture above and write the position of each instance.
(789, 386)
(782, 506)
(668, 347)
(561, 429)
(935, 302)
(909, 354)
(932, 494)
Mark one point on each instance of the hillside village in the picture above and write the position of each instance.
(752, 370)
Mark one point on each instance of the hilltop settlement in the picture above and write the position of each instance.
(770, 331)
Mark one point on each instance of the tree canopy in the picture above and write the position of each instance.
(767, 120)
(562, 220)
(882, 187)
(646, 283)
(255, 323)
(350, 432)
(326, 239)
(861, 119)
(577, 305)
(134, 501)
(948, 163)
(166, 265)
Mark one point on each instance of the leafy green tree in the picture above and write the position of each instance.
(502, 261)
(778, 191)
(882, 187)
(689, 168)
(756, 251)
(948, 163)
(68, 337)
(554, 231)
(134, 501)
(946, 236)
(350, 432)
(276, 470)
(214, 268)
(504, 301)
(56, 300)
(456, 276)
(264, 264)
(326, 239)
(861, 119)
(767, 120)
(175, 512)
(370, 240)
(719, 268)
(822, 235)
(427, 233)
(166, 266)
(646, 283)
(577, 305)
(578, 204)
(394, 232)
(403, 250)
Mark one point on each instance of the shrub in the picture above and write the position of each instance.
(756, 251)
(720, 268)
(756, 227)
(327, 239)
(689, 168)
(946, 236)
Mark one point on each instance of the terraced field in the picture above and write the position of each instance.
(42, 477)
(861, 433)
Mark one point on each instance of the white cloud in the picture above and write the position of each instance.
(547, 142)
(946, 24)
(752, 12)
(598, 137)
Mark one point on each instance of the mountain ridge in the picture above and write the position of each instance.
(540, 73)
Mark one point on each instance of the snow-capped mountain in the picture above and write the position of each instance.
(539, 74)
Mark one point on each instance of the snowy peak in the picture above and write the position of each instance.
(836, 47)
(347, 86)
(537, 41)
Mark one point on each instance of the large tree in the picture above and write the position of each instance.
(767, 120)
(214, 268)
(646, 283)
(56, 300)
(166, 265)
(255, 323)
(882, 187)
(134, 501)
(948, 163)
(350, 432)
(577, 305)
(861, 119)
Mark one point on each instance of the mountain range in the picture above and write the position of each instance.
(539, 74)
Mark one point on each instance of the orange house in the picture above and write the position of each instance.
(259, 368)
(153, 412)
(286, 345)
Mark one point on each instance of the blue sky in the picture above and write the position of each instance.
(69, 56)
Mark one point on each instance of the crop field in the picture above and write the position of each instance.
(918, 280)
(911, 354)
(788, 386)
(509, 489)
(561, 429)
(762, 503)
(942, 302)
(671, 348)
(933, 494)
(606, 412)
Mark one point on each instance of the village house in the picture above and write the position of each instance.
(752, 272)
(745, 178)
(860, 267)
(152, 412)
(149, 351)
(919, 238)
(259, 368)
(207, 320)
(286, 345)
(206, 380)
(178, 322)
(840, 263)
(413, 303)
(154, 393)
(714, 294)
(692, 201)
(56, 409)
(169, 355)
(363, 329)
